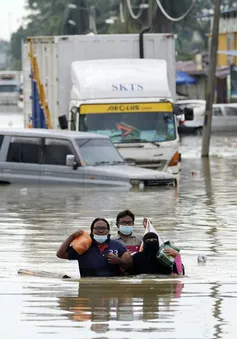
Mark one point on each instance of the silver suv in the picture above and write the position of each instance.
(62, 157)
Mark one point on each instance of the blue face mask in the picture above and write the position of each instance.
(125, 230)
(100, 238)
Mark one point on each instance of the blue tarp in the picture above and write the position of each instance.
(183, 78)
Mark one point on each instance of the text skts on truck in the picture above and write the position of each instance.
(122, 86)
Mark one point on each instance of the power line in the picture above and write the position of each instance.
(133, 15)
(171, 18)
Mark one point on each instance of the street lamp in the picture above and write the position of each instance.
(144, 6)
(111, 20)
(72, 6)
(72, 22)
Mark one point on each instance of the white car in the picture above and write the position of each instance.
(224, 117)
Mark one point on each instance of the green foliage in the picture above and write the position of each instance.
(50, 17)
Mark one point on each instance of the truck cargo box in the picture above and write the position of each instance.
(55, 54)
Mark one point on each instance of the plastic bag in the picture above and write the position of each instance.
(150, 228)
(82, 243)
(163, 258)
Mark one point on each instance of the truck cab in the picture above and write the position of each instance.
(130, 101)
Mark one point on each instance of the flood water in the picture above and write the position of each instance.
(200, 217)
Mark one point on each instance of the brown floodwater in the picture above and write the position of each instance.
(200, 217)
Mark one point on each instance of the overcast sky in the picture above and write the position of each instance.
(11, 12)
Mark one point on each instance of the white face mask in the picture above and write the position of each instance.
(100, 238)
(125, 229)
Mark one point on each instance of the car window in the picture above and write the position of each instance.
(98, 151)
(231, 111)
(217, 111)
(56, 151)
(24, 150)
(1, 140)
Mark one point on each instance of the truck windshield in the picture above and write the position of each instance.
(125, 127)
(99, 152)
(8, 88)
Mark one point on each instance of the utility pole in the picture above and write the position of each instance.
(150, 14)
(126, 17)
(211, 81)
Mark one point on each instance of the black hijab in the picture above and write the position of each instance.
(145, 262)
(151, 247)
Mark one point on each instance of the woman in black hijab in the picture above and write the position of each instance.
(145, 262)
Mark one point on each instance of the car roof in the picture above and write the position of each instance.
(225, 105)
(197, 101)
(38, 132)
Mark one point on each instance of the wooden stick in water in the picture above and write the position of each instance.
(43, 274)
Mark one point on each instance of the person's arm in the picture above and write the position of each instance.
(62, 252)
(124, 261)
(178, 260)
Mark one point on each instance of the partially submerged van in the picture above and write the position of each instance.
(73, 158)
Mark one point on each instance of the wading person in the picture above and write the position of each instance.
(104, 258)
(125, 223)
(146, 262)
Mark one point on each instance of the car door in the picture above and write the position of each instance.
(54, 169)
(218, 119)
(22, 160)
(230, 119)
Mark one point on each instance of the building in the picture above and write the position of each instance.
(198, 69)
(227, 52)
(227, 37)
(226, 73)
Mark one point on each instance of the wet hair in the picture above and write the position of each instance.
(124, 214)
(99, 219)
(150, 235)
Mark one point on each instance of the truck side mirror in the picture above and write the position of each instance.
(188, 114)
(177, 110)
(63, 122)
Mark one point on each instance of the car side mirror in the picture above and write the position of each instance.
(71, 161)
(188, 114)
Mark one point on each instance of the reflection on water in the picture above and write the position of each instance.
(199, 217)
(173, 310)
(119, 302)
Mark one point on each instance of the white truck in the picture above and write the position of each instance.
(122, 86)
(10, 82)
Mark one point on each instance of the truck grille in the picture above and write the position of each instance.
(160, 182)
(159, 165)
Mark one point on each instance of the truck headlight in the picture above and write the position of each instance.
(137, 183)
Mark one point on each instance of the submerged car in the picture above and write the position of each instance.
(64, 157)
(224, 117)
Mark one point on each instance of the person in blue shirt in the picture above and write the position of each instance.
(104, 258)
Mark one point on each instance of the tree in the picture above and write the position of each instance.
(54, 17)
